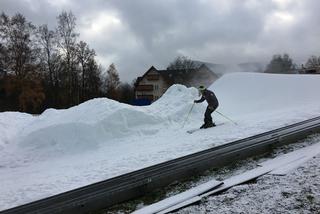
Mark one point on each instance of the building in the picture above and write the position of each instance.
(313, 70)
(155, 82)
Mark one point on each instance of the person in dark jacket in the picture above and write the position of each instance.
(213, 104)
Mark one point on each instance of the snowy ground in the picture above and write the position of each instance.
(261, 199)
(63, 149)
(297, 192)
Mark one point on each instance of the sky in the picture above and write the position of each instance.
(138, 34)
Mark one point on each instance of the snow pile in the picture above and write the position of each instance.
(85, 126)
(95, 122)
(10, 125)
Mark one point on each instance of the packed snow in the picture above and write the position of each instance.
(60, 150)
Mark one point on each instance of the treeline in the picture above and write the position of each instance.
(284, 64)
(44, 68)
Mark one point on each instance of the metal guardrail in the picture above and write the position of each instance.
(134, 184)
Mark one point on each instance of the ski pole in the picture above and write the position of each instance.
(226, 117)
(188, 115)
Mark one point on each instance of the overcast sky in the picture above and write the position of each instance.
(135, 34)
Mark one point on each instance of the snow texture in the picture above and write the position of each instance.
(298, 192)
(277, 166)
(166, 203)
(60, 150)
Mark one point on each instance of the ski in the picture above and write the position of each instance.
(198, 129)
(193, 130)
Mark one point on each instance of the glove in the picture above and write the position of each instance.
(195, 101)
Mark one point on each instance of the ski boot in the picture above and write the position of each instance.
(203, 126)
(208, 125)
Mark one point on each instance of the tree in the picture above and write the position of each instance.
(41, 68)
(50, 62)
(84, 56)
(181, 63)
(47, 43)
(67, 44)
(16, 34)
(23, 87)
(93, 86)
(313, 62)
(280, 64)
(3, 57)
(127, 93)
(112, 82)
(67, 35)
(25, 95)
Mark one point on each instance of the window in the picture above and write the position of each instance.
(144, 88)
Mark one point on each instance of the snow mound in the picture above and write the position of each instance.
(176, 103)
(103, 121)
(10, 125)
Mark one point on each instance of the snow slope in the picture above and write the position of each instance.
(63, 149)
(243, 94)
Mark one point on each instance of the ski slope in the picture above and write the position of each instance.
(61, 150)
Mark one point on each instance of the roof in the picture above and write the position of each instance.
(145, 74)
(190, 77)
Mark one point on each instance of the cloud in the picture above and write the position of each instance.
(137, 34)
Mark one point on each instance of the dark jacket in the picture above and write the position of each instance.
(210, 97)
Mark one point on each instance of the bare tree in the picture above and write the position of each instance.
(3, 57)
(16, 34)
(181, 63)
(84, 55)
(46, 40)
(41, 68)
(67, 44)
(51, 62)
(23, 85)
(67, 35)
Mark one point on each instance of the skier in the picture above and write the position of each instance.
(213, 104)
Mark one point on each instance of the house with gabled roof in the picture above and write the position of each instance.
(154, 83)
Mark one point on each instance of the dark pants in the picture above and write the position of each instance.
(207, 114)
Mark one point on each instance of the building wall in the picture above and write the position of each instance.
(153, 85)
(157, 81)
